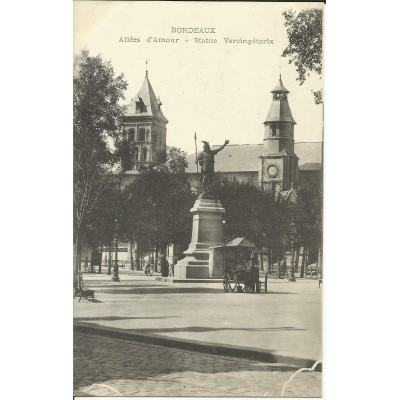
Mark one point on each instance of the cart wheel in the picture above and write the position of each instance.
(247, 289)
(227, 284)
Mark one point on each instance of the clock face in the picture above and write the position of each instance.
(272, 171)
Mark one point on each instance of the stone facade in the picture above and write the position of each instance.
(279, 163)
(144, 128)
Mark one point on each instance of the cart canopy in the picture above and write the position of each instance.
(243, 242)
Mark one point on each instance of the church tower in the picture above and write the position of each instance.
(279, 163)
(144, 129)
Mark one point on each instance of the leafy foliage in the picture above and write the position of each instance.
(308, 218)
(101, 226)
(176, 161)
(157, 209)
(304, 30)
(246, 209)
(254, 214)
(124, 152)
(96, 118)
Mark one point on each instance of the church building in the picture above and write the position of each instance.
(279, 163)
(145, 128)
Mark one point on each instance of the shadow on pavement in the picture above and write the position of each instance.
(210, 329)
(157, 290)
(84, 300)
(115, 318)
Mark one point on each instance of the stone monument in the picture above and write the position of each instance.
(207, 229)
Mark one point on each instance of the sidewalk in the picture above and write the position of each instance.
(283, 325)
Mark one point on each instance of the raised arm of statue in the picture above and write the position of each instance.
(218, 149)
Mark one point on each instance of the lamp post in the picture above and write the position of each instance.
(115, 277)
(292, 233)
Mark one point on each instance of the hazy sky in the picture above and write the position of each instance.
(220, 90)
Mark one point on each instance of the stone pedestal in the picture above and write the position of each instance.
(207, 231)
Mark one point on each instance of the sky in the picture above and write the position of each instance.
(218, 90)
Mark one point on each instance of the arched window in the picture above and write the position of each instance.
(131, 133)
(136, 154)
(273, 129)
(142, 135)
(144, 154)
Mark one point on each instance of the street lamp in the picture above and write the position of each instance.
(115, 277)
(292, 233)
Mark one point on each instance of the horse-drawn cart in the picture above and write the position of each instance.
(242, 280)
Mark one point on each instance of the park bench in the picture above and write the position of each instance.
(81, 291)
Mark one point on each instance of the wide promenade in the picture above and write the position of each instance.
(283, 326)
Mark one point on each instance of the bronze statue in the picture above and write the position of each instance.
(206, 161)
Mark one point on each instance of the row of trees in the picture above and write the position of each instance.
(146, 212)
(153, 211)
(256, 215)
(97, 115)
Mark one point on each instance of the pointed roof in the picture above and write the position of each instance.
(279, 88)
(279, 112)
(241, 242)
(280, 109)
(146, 96)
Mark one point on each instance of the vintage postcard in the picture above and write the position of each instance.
(198, 177)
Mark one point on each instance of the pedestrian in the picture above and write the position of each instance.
(148, 270)
(164, 266)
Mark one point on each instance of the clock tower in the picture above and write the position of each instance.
(144, 129)
(279, 163)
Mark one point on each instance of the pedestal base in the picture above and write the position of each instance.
(207, 231)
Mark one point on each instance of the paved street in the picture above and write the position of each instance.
(137, 338)
(113, 367)
(285, 322)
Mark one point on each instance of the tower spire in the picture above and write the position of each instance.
(147, 72)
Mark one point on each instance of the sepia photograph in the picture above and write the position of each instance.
(198, 148)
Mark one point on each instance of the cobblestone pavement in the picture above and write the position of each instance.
(114, 367)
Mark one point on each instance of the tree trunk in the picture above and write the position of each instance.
(75, 261)
(270, 260)
(278, 265)
(131, 245)
(80, 258)
(306, 259)
(303, 258)
(101, 257)
(137, 258)
(156, 260)
(77, 250)
(320, 262)
(109, 259)
(296, 265)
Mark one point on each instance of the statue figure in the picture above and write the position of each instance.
(206, 161)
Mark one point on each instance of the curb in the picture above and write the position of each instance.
(201, 347)
(187, 280)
